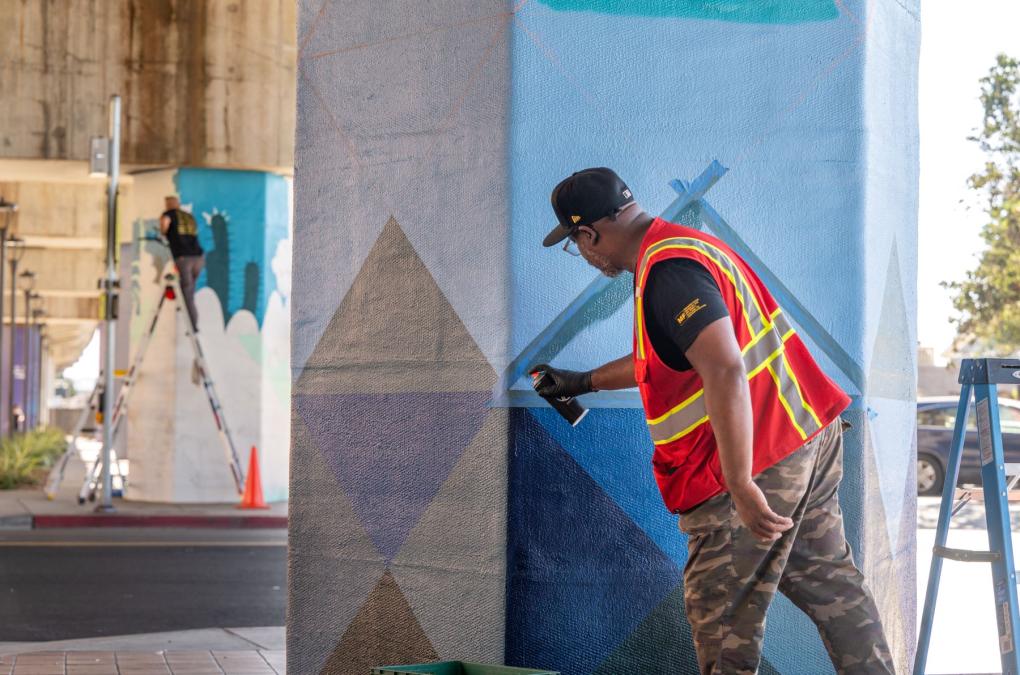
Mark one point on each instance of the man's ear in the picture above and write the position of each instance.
(592, 233)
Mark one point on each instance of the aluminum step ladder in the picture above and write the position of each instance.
(171, 291)
(980, 378)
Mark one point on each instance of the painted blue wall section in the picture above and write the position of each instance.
(582, 574)
(242, 216)
(783, 109)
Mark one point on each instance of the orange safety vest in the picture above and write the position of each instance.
(791, 398)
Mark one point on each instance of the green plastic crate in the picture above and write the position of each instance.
(458, 668)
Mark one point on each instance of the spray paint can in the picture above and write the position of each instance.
(567, 406)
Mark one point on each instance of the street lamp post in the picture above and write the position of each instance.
(8, 209)
(17, 251)
(110, 285)
(37, 321)
(28, 286)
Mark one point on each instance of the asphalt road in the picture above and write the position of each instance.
(57, 585)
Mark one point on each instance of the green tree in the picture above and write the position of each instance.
(988, 300)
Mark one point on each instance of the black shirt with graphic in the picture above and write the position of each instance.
(182, 234)
(680, 299)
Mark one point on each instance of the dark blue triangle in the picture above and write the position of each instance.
(662, 644)
(613, 446)
(391, 452)
(581, 576)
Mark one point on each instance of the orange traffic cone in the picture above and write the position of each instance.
(252, 497)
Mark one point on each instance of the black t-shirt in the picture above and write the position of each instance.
(680, 299)
(182, 234)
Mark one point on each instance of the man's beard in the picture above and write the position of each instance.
(602, 264)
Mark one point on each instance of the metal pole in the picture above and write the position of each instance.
(26, 352)
(11, 420)
(8, 209)
(110, 298)
(37, 315)
(39, 376)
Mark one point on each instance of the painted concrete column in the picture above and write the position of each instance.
(26, 365)
(439, 510)
(243, 307)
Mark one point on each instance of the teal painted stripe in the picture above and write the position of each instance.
(736, 11)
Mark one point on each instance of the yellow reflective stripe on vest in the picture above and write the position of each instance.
(792, 401)
(752, 360)
(759, 355)
(753, 314)
(638, 323)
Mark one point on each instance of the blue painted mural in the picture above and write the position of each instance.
(745, 119)
(242, 217)
(243, 303)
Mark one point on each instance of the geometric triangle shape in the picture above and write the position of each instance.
(626, 476)
(662, 644)
(452, 568)
(391, 452)
(581, 575)
(892, 435)
(891, 372)
(384, 632)
(394, 331)
(327, 547)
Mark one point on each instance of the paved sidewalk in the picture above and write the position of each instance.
(28, 508)
(145, 663)
(964, 636)
(235, 651)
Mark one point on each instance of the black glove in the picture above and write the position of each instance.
(560, 383)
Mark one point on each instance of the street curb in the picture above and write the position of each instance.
(19, 522)
(40, 522)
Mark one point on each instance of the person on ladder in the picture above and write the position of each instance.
(181, 230)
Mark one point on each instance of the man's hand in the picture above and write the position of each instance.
(755, 513)
(560, 383)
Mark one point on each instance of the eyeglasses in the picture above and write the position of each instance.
(570, 245)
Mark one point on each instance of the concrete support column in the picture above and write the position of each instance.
(440, 510)
(244, 317)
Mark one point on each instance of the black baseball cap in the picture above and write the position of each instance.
(584, 197)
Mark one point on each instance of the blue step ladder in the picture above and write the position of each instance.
(980, 377)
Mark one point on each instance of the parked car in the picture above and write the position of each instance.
(936, 418)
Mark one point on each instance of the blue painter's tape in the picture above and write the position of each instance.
(527, 398)
(603, 296)
(791, 305)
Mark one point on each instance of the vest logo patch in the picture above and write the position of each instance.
(690, 310)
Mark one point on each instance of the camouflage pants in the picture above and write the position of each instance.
(731, 577)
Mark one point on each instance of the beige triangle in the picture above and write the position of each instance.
(453, 566)
(333, 565)
(384, 632)
(395, 331)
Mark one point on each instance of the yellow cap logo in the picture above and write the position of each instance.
(575, 219)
